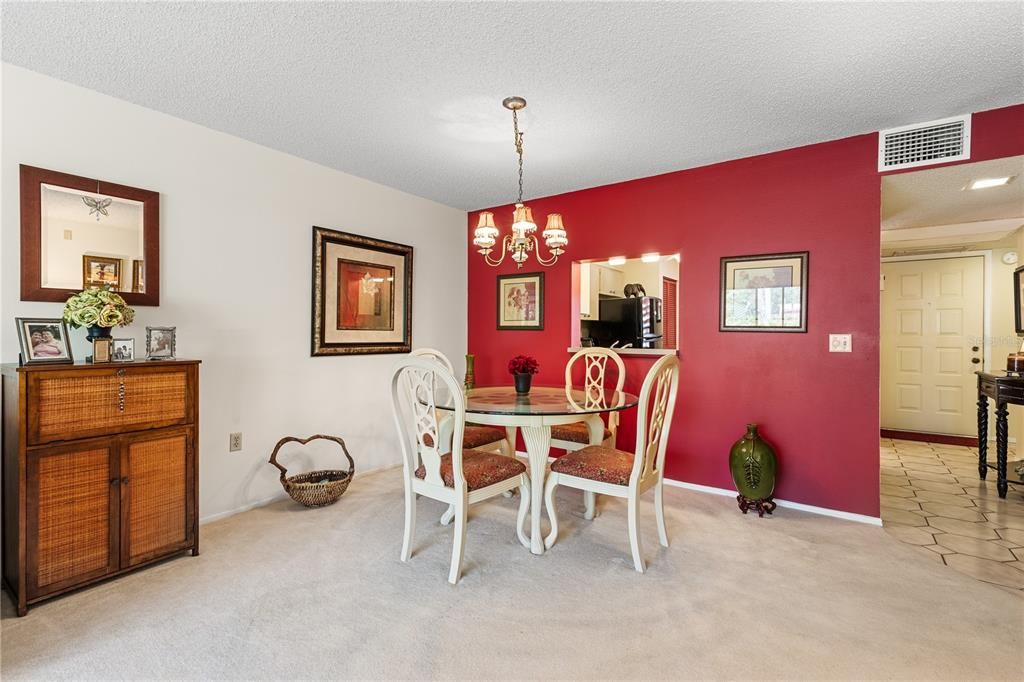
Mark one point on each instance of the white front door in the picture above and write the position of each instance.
(932, 320)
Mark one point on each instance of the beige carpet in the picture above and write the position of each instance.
(287, 593)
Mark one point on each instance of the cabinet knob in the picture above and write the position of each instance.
(124, 481)
(975, 361)
(115, 481)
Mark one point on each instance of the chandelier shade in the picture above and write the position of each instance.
(523, 239)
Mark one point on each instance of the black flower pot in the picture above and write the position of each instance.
(97, 332)
(523, 382)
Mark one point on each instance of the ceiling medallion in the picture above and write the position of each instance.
(522, 240)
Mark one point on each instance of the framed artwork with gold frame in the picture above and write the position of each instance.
(520, 303)
(101, 271)
(101, 350)
(362, 295)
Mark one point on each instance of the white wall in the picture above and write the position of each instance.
(236, 236)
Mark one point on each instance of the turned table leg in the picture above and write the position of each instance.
(982, 436)
(1001, 437)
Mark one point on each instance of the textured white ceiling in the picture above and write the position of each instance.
(409, 95)
(937, 197)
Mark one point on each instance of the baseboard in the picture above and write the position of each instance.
(281, 495)
(930, 437)
(799, 506)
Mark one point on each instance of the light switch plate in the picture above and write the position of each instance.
(840, 343)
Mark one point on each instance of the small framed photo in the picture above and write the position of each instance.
(101, 350)
(521, 302)
(124, 350)
(764, 293)
(100, 271)
(43, 340)
(160, 343)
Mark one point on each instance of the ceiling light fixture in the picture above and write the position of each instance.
(985, 183)
(522, 240)
(650, 257)
(617, 260)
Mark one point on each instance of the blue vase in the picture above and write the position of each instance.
(97, 332)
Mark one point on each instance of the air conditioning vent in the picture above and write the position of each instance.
(925, 144)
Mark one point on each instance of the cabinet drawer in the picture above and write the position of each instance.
(111, 399)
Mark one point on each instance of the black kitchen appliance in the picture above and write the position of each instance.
(633, 321)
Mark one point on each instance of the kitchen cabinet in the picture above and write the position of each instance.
(597, 281)
(610, 281)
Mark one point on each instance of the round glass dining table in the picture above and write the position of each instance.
(535, 413)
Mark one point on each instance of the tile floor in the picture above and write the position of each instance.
(932, 498)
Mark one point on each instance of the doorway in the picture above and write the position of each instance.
(932, 327)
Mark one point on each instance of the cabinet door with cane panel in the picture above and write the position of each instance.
(73, 496)
(157, 501)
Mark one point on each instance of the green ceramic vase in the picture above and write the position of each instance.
(470, 381)
(753, 464)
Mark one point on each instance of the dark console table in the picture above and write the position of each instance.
(1004, 389)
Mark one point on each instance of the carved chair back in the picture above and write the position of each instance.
(595, 364)
(654, 417)
(415, 387)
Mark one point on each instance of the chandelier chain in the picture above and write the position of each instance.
(519, 151)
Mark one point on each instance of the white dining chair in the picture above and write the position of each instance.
(476, 436)
(459, 478)
(592, 431)
(607, 471)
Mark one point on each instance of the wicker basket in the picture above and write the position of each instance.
(315, 488)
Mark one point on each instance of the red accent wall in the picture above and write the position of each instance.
(819, 409)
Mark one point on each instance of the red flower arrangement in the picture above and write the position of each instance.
(523, 364)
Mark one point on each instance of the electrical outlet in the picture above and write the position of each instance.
(234, 442)
(840, 343)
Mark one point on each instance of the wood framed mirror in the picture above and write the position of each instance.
(78, 232)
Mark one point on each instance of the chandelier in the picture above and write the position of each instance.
(523, 239)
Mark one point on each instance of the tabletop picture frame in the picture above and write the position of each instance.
(160, 343)
(44, 340)
(764, 293)
(520, 302)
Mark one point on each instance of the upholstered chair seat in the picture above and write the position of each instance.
(476, 436)
(596, 463)
(576, 433)
(479, 468)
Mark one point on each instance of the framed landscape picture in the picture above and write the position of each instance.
(521, 301)
(362, 295)
(100, 271)
(764, 293)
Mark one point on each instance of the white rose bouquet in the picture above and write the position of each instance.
(97, 306)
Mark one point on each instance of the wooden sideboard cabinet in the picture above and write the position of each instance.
(100, 472)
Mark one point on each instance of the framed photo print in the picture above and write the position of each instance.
(521, 301)
(100, 271)
(43, 340)
(160, 343)
(124, 350)
(362, 295)
(764, 293)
